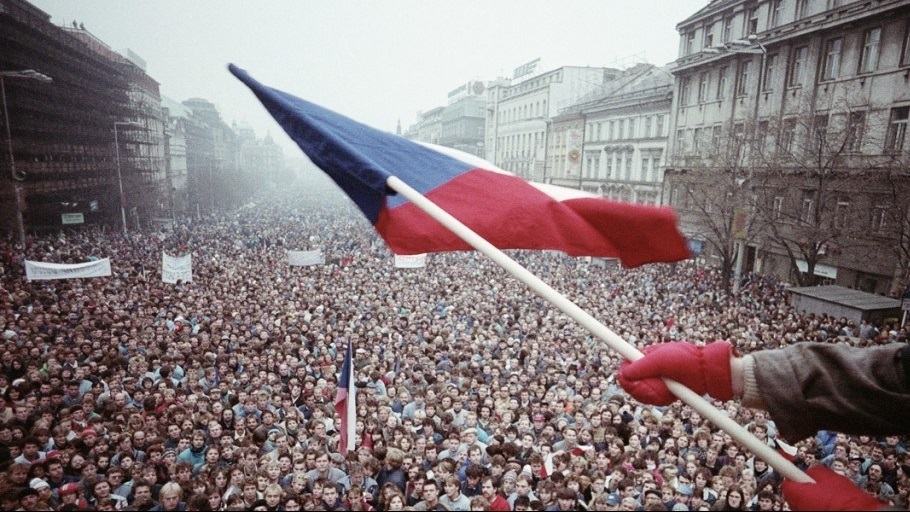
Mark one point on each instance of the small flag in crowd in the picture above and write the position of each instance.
(345, 403)
(506, 210)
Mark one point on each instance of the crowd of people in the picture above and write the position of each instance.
(127, 393)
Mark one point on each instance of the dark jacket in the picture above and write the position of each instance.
(813, 386)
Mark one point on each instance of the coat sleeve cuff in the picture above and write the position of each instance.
(751, 396)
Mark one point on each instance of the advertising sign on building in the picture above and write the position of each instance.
(72, 218)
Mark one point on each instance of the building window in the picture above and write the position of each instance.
(629, 167)
(696, 138)
(743, 77)
(807, 212)
(786, 135)
(721, 82)
(879, 219)
(905, 51)
(684, 92)
(856, 125)
(761, 136)
(703, 87)
(770, 64)
(659, 129)
(897, 129)
(775, 13)
(645, 165)
(751, 21)
(715, 136)
(632, 128)
(728, 29)
(709, 35)
(833, 48)
(871, 42)
(610, 131)
(620, 128)
(647, 133)
(820, 128)
(680, 141)
(778, 207)
(690, 43)
(841, 213)
(797, 64)
(609, 165)
(802, 8)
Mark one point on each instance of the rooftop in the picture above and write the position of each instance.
(848, 297)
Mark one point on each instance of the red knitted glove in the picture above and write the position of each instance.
(829, 492)
(701, 369)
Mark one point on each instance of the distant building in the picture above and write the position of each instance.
(463, 119)
(518, 111)
(62, 132)
(613, 143)
(141, 134)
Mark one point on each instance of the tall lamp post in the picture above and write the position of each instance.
(119, 174)
(751, 45)
(29, 74)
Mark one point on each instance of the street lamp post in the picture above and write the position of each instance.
(119, 175)
(29, 74)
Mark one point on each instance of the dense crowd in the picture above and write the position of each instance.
(126, 393)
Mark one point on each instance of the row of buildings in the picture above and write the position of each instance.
(89, 139)
(779, 135)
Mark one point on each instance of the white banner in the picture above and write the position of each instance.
(410, 260)
(72, 218)
(176, 268)
(41, 271)
(305, 258)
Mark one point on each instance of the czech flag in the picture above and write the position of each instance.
(345, 404)
(506, 210)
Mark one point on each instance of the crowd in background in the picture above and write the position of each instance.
(127, 393)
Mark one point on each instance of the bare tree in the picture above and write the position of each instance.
(892, 217)
(714, 196)
(807, 172)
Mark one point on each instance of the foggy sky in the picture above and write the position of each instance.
(375, 61)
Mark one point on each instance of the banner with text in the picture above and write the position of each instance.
(176, 268)
(410, 260)
(42, 271)
(305, 258)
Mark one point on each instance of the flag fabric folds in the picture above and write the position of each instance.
(345, 403)
(506, 210)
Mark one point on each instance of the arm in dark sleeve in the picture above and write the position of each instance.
(813, 386)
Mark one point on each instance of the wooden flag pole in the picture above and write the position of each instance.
(614, 341)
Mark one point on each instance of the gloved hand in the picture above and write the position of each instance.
(829, 492)
(701, 369)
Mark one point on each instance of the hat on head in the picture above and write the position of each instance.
(70, 488)
(88, 432)
(38, 484)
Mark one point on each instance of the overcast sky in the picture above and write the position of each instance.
(375, 61)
